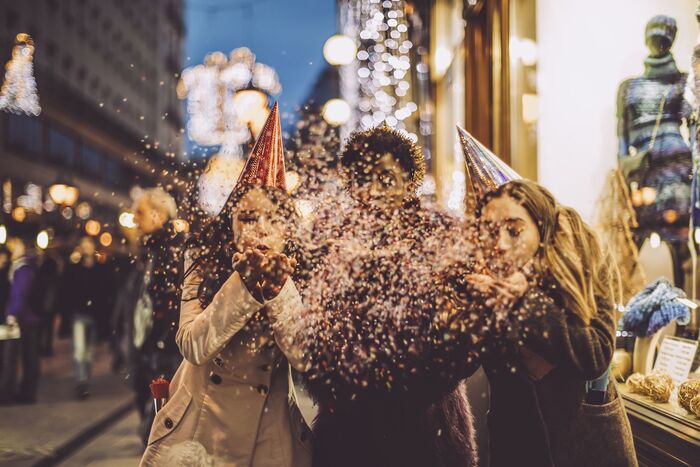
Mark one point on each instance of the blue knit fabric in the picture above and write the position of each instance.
(653, 308)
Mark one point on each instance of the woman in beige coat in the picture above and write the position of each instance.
(233, 393)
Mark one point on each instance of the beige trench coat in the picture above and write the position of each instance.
(239, 404)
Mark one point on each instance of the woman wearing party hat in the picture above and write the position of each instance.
(231, 402)
(552, 401)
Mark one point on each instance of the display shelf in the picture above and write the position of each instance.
(664, 433)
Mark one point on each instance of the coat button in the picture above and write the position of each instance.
(262, 389)
(218, 361)
(168, 423)
(216, 379)
(265, 367)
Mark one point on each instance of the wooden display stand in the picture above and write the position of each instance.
(664, 434)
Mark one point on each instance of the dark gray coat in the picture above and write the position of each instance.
(547, 422)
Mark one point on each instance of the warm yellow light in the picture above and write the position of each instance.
(531, 108)
(106, 239)
(336, 112)
(83, 210)
(126, 220)
(648, 195)
(292, 180)
(654, 240)
(19, 214)
(92, 227)
(75, 257)
(251, 107)
(63, 194)
(3, 234)
(305, 208)
(443, 60)
(181, 225)
(42, 239)
(523, 49)
(339, 50)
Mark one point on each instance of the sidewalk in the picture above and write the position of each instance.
(51, 429)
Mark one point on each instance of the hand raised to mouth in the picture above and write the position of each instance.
(263, 271)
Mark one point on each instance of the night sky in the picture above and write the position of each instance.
(285, 34)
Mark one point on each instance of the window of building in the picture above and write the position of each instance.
(61, 146)
(24, 133)
(93, 161)
(115, 171)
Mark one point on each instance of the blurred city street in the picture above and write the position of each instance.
(59, 423)
(420, 214)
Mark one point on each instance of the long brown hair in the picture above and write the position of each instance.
(212, 245)
(570, 256)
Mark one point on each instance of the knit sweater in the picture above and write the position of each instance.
(638, 103)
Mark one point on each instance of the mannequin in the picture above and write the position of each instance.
(661, 196)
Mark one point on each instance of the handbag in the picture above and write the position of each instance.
(635, 167)
(8, 332)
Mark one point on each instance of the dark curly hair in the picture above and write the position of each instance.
(364, 149)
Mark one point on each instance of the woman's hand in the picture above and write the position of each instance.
(263, 272)
(499, 290)
(276, 271)
(249, 266)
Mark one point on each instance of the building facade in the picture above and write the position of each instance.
(106, 74)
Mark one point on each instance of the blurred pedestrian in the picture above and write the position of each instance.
(157, 302)
(85, 298)
(21, 311)
(5, 262)
(48, 275)
(4, 295)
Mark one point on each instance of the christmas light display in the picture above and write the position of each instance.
(18, 93)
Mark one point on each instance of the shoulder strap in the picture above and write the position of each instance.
(659, 114)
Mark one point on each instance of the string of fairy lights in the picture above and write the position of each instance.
(383, 78)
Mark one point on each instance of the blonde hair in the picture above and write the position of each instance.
(571, 256)
(159, 199)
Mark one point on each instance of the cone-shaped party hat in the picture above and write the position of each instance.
(265, 165)
(485, 171)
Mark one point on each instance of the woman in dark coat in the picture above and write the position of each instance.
(371, 312)
(552, 401)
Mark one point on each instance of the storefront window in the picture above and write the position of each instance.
(524, 100)
(93, 161)
(61, 146)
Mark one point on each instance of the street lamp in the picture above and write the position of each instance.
(336, 112)
(214, 91)
(126, 220)
(92, 227)
(42, 240)
(63, 194)
(339, 50)
(251, 108)
(106, 239)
